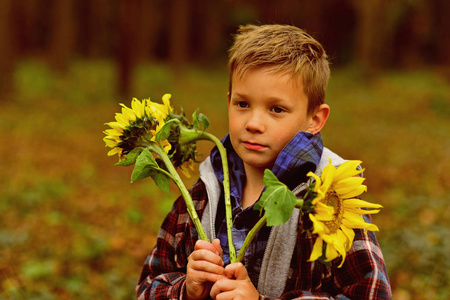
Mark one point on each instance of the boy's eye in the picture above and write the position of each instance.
(242, 104)
(277, 110)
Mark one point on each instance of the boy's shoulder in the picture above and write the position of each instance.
(327, 154)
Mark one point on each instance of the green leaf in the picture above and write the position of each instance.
(203, 120)
(145, 163)
(200, 119)
(195, 119)
(277, 200)
(164, 132)
(146, 166)
(130, 158)
(161, 180)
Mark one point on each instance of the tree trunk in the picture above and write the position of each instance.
(150, 22)
(179, 34)
(443, 32)
(7, 57)
(94, 32)
(370, 34)
(62, 35)
(128, 11)
(209, 27)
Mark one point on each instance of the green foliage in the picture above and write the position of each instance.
(146, 166)
(72, 228)
(418, 248)
(277, 200)
(200, 119)
(130, 158)
(164, 132)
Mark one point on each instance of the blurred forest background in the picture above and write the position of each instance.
(71, 225)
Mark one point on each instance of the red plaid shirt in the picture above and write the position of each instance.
(362, 276)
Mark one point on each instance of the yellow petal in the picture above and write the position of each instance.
(329, 238)
(330, 253)
(317, 189)
(323, 212)
(343, 239)
(347, 169)
(351, 193)
(318, 227)
(160, 109)
(109, 142)
(167, 146)
(166, 101)
(327, 176)
(317, 250)
(128, 113)
(317, 178)
(112, 132)
(348, 184)
(352, 220)
(115, 125)
(185, 172)
(138, 107)
(350, 234)
(359, 211)
(114, 151)
(355, 203)
(340, 243)
(122, 120)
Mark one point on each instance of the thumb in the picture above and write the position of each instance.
(237, 271)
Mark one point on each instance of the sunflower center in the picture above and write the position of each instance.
(332, 199)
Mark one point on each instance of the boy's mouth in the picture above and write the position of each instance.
(253, 146)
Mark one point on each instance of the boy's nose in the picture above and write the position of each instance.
(255, 123)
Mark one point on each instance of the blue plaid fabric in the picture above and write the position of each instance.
(301, 155)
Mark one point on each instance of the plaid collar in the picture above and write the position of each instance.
(301, 155)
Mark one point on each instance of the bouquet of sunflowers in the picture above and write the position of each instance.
(157, 141)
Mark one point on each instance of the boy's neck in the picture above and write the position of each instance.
(253, 186)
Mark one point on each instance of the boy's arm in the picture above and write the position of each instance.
(164, 272)
(162, 276)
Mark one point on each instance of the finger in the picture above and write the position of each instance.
(236, 270)
(206, 255)
(205, 266)
(226, 295)
(201, 276)
(221, 286)
(216, 244)
(200, 244)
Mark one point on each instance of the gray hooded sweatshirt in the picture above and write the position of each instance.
(282, 239)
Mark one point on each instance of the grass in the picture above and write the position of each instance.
(72, 227)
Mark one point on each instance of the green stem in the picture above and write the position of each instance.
(189, 135)
(252, 233)
(184, 192)
(250, 236)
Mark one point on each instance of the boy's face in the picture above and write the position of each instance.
(265, 111)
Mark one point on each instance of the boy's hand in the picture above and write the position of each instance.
(236, 285)
(205, 266)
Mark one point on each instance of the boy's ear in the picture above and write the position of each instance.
(228, 98)
(319, 118)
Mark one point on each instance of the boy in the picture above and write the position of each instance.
(278, 77)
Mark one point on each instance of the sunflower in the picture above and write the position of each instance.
(137, 126)
(336, 210)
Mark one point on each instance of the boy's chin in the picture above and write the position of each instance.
(259, 165)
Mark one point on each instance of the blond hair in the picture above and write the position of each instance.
(287, 49)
